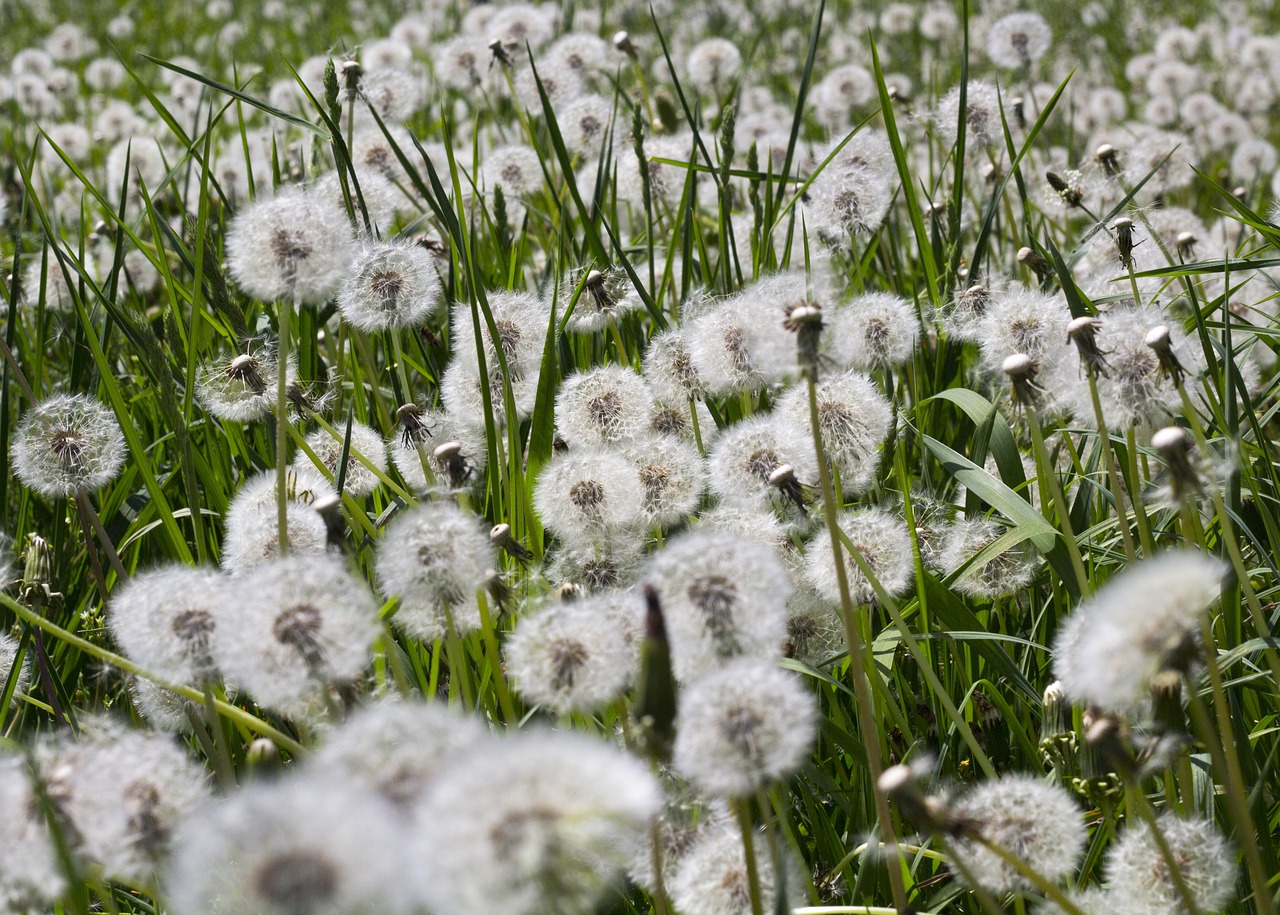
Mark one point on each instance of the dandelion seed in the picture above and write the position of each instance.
(1138, 874)
(884, 544)
(360, 480)
(711, 876)
(391, 285)
(1144, 620)
(540, 822)
(395, 748)
(723, 597)
(1038, 823)
(122, 794)
(68, 444)
(742, 727)
(577, 656)
(435, 557)
(308, 627)
(300, 845)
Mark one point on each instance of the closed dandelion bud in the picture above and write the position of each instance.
(302, 844)
(1125, 243)
(722, 597)
(294, 247)
(31, 876)
(622, 42)
(806, 322)
(743, 727)
(1108, 157)
(711, 875)
(606, 405)
(586, 494)
(653, 707)
(1058, 741)
(435, 557)
(1177, 450)
(1035, 262)
(1144, 620)
(500, 536)
(395, 747)
(66, 445)
(1166, 703)
(1139, 877)
(1023, 372)
(166, 620)
(1160, 339)
(358, 480)
(1083, 332)
(308, 628)
(1067, 189)
(391, 284)
(122, 793)
(533, 823)
(882, 540)
(576, 656)
(1038, 823)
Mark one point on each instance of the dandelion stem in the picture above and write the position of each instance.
(283, 314)
(857, 663)
(495, 659)
(1109, 460)
(742, 809)
(87, 511)
(1049, 477)
(1135, 483)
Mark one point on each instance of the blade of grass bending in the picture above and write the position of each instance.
(908, 182)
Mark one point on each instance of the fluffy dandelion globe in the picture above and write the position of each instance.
(308, 626)
(305, 844)
(575, 656)
(31, 875)
(724, 597)
(1144, 620)
(66, 445)
(711, 876)
(1138, 873)
(743, 726)
(535, 822)
(366, 458)
(293, 247)
(588, 493)
(435, 557)
(885, 545)
(606, 405)
(242, 388)
(391, 284)
(1037, 822)
(1018, 40)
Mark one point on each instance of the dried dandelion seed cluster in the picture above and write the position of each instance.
(66, 445)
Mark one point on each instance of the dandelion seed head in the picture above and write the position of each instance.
(723, 596)
(1018, 40)
(711, 876)
(435, 557)
(854, 417)
(874, 331)
(884, 543)
(31, 876)
(1138, 874)
(742, 727)
(713, 63)
(584, 124)
(308, 627)
(360, 480)
(533, 822)
(1037, 822)
(588, 493)
(1006, 573)
(252, 531)
(390, 285)
(605, 405)
(1143, 620)
(982, 116)
(67, 444)
(673, 477)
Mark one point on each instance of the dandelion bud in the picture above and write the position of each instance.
(1070, 194)
(990, 174)
(1166, 703)
(1123, 227)
(1018, 105)
(500, 54)
(1083, 332)
(901, 784)
(806, 321)
(1022, 371)
(1177, 450)
(622, 42)
(263, 757)
(1108, 157)
(1160, 340)
(328, 506)
(784, 480)
(1035, 262)
(350, 72)
(1185, 244)
(500, 536)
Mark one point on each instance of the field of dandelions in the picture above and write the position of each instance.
(734, 458)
